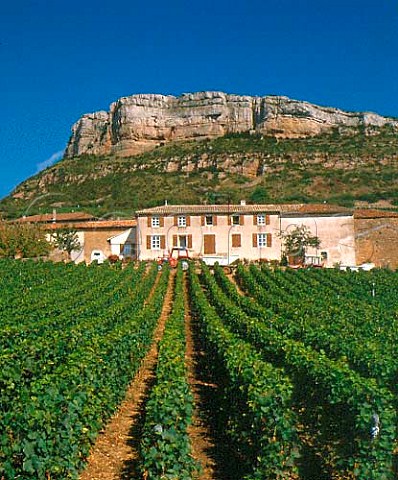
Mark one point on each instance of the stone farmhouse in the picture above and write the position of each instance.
(98, 238)
(226, 233)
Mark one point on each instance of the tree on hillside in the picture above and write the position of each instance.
(66, 240)
(296, 242)
(18, 240)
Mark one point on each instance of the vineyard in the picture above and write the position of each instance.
(297, 370)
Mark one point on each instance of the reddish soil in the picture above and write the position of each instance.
(232, 278)
(199, 432)
(115, 453)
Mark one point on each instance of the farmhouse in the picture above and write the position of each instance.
(226, 233)
(98, 238)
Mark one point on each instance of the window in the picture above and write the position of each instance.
(208, 220)
(235, 220)
(261, 219)
(155, 222)
(209, 244)
(236, 240)
(324, 256)
(182, 221)
(155, 242)
(126, 249)
(182, 241)
(262, 240)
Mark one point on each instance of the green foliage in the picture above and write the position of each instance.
(292, 340)
(22, 240)
(257, 397)
(259, 195)
(165, 446)
(67, 361)
(66, 240)
(339, 167)
(296, 241)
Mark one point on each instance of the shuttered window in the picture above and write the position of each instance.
(155, 222)
(236, 240)
(264, 240)
(182, 221)
(261, 219)
(155, 242)
(209, 244)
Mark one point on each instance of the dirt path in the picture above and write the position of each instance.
(199, 432)
(232, 279)
(115, 453)
(207, 432)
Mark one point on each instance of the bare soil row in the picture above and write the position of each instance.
(115, 455)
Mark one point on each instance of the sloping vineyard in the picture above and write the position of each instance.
(315, 329)
(301, 368)
(66, 359)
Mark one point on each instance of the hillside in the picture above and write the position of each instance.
(334, 166)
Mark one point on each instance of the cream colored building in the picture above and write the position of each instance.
(98, 238)
(226, 233)
(334, 226)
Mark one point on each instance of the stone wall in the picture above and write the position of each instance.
(377, 241)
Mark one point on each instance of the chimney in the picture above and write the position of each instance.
(165, 202)
(54, 219)
(243, 202)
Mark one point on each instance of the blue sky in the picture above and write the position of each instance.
(60, 60)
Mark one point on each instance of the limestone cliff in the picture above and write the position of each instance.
(141, 122)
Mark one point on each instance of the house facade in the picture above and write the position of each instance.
(226, 233)
(334, 226)
(101, 238)
(98, 238)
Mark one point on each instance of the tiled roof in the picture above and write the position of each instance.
(57, 217)
(299, 209)
(206, 209)
(364, 213)
(96, 225)
(314, 209)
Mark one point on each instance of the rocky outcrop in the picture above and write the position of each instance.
(141, 122)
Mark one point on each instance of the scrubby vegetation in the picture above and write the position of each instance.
(338, 167)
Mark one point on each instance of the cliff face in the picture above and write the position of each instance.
(141, 122)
